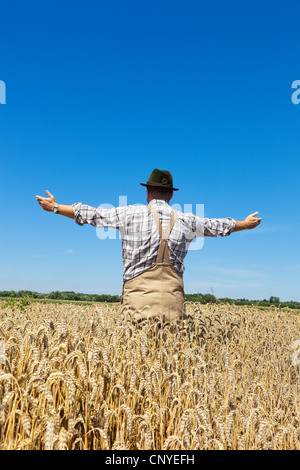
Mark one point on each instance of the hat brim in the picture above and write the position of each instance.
(158, 185)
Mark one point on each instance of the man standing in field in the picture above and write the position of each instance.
(155, 241)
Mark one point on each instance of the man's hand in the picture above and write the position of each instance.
(47, 203)
(250, 222)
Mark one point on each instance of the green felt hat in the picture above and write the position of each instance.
(160, 179)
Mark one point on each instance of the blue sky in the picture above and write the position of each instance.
(100, 93)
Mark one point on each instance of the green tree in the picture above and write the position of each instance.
(274, 300)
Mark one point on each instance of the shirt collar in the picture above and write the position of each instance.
(159, 201)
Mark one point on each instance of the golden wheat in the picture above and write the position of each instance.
(85, 377)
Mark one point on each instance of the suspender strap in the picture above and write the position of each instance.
(163, 252)
(156, 219)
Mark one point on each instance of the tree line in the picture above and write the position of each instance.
(272, 301)
(64, 295)
(201, 298)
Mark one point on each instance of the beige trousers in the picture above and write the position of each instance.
(158, 291)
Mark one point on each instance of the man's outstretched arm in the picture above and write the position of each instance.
(250, 222)
(48, 203)
(224, 227)
(84, 214)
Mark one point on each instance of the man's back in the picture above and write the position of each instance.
(140, 237)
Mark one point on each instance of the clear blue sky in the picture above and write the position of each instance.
(98, 93)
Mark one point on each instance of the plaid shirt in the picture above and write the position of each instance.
(140, 237)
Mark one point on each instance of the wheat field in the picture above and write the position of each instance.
(85, 377)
